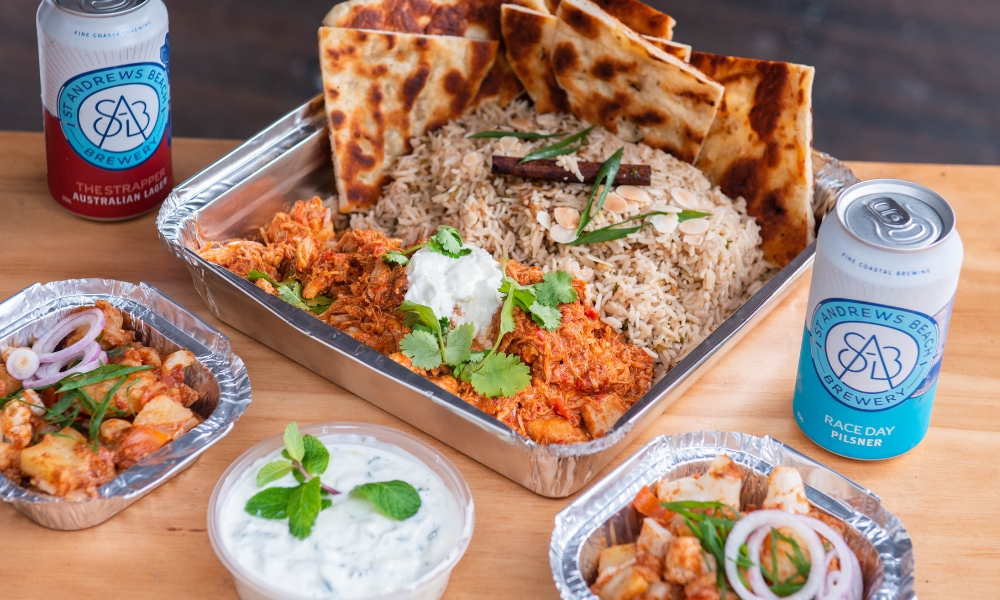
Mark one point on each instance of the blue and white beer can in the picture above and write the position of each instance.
(887, 266)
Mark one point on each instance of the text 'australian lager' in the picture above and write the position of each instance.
(887, 266)
(106, 103)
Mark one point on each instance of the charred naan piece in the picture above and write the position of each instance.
(475, 19)
(528, 36)
(681, 51)
(382, 89)
(760, 147)
(615, 78)
(635, 14)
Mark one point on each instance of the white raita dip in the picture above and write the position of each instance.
(462, 289)
(354, 551)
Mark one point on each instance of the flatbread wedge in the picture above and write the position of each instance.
(760, 147)
(635, 14)
(528, 36)
(615, 78)
(681, 51)
(476, 19)
(382, 89)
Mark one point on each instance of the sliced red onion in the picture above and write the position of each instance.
(755, 576)
(90, 357)
(44, 346)
(22, 364)
(749, 524)
(846, 585)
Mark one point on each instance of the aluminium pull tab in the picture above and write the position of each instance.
(889, 212)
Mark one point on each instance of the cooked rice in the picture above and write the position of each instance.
(665, 292)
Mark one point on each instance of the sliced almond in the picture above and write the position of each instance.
(664, 223)
(562, 235)
(630, 192)
(543, 218)
(694, 226)
(684, 198)
(567, 217)
(615, 203)
(471, 159)
(520, 124)
(694, 240)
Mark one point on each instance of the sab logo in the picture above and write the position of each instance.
(114, 118)
(871, 357)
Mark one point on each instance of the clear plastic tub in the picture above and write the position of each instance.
(430, 586)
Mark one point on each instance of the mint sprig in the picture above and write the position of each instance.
(306, 458)
(446, 241)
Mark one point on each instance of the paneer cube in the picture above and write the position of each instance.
(653, 539)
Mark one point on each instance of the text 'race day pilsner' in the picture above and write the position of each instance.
(106, 103)
(887, 266)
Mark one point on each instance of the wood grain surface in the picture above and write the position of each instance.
(945, 491)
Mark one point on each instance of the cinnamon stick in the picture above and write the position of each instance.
(548, 170)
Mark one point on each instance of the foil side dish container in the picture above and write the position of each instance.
(289, 161)
(220, 378)
(603, 516)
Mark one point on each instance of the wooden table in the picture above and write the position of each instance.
(945, 491)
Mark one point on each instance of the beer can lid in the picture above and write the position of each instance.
(895, 214)
(100, 8)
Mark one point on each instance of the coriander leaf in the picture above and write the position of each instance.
(273, 471)
(291, 292)
(271, 503)
(254, 275)
(422, 348)
(318, 305)
(523, 298)
(419, 313)
(459, 345)
(556, 288)
(304, 504)
(293, 442)
(422, 327)
(506, 316)
(448, 241)
(500, 375)
(395, 257)
(547, 317)
(478, 356)
(317, 457)
(395, 499)
(445, 323)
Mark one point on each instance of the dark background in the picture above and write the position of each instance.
(896, 80)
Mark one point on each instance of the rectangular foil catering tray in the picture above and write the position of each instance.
(289, 161)
(604, 516)
(220, 379)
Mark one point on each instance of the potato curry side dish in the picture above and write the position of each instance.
(542, 362)
(103, 403)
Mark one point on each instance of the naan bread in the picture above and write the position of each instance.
(681, 51)
(635, 14)
(528, 36)
(476, 19)
(760, 147)
(615, 78)
(382, 89)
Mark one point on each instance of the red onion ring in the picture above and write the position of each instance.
(750, 523)
(90, 357)
(845, 587)
(43, 346)
(22, 363)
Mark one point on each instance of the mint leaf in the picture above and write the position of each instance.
(304, 504)
(448, 241)
(459, 345)
(395, 257)
(547, 317)
(293, 442)
(317, 457)
(500, 375)
(422, 348)
(325, 503)
(273, 471)
(556, 288)
(271, 503)
(395, 499)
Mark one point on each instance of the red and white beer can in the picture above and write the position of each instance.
(106, 102)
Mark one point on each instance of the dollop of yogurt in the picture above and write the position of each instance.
(353, 551)
(463, 289)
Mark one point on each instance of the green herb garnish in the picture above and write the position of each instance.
(524, 135)
(446, 241)
(711, 528)
(101, 373)
(290, 290)
(801, 564)
(542, 300)
(432, 343)
(605, 177)
(560, 148)
(306, 458)
(617, 231)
